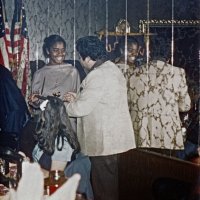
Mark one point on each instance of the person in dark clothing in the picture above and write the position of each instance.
(192, 134)
(14, 112)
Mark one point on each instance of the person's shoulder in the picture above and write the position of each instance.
(179, 69)
(77, 65)
(70, 66)
(109, 62)
(96, 74)
(40, 71)
(44, 68)
(55, 67)
(109, 70)
(176, 70)
(167, 66)
(107, 65)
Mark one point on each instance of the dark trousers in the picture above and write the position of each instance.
(104, 175)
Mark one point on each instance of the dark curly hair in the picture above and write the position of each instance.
(50, 41)
(54, 123)
(91, 46)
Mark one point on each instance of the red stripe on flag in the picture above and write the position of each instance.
(17, 31)
(4, 56)
(17, 43)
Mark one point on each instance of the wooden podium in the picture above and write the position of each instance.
(139, 170)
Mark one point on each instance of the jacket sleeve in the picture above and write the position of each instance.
(184, 101)
(37, 81)
(77, 80)
(90, 93)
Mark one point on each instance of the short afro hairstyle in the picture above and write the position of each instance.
(91, 46)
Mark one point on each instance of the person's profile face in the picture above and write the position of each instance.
(83, 62)
(57, 53)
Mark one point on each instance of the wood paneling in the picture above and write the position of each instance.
(138, 169)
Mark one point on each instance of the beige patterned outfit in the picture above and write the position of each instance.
(157, 93)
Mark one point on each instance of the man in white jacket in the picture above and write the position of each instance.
(104, 124)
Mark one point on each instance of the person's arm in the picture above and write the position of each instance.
(89, 95)
(37, 88)
(38, 83)
(76, 80)
(69, 96)
(184, 101)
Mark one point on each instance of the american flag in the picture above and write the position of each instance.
(20, 43)
(5, 43)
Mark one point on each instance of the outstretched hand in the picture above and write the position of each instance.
(69, 97)
(33, 98)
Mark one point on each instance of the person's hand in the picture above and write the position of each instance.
(69, 97)
(33, 100)
(33, 97)
(25, 158)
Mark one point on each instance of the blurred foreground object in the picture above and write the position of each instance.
(55, 180)
(31, 185)
(11, 167)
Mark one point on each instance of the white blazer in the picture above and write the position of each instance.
(104, 122)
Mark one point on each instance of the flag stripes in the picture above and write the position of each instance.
(20, 48)
(6, 56)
